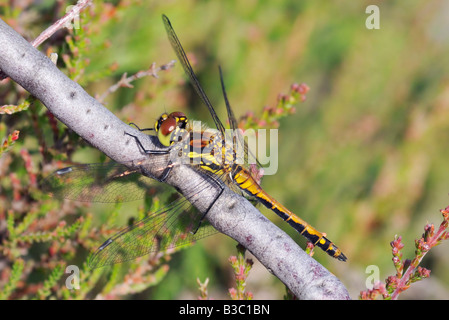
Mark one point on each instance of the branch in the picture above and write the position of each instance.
(305, 277)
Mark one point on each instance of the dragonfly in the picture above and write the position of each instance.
(214, 154)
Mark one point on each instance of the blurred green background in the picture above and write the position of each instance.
(363, 159)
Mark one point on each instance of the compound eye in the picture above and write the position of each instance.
(166, 128)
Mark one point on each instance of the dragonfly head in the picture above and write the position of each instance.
(168, 125)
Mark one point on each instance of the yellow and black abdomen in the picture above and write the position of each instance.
(247, 183)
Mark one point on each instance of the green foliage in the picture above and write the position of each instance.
(9, 141)
(14, 278)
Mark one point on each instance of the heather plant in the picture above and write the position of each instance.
(241, 267)
(409, 271)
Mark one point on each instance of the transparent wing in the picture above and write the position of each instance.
(180, 53)
(105, 182)
(244, 155)
(176, 225)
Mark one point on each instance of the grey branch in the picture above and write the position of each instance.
(24, 64)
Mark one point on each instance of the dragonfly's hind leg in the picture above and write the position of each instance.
(220, 192)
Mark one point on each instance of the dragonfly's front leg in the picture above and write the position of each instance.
(137, 127)
(169, 166)
(147, 151)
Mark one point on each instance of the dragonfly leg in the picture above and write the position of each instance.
(137, 127)
(166, 172)
(147, 151)
(211, 205)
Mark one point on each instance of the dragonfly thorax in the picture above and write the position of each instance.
(168, 127)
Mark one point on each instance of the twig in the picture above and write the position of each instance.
(60, 23)
(126, 81)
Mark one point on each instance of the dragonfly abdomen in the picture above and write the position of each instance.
(247, 183)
